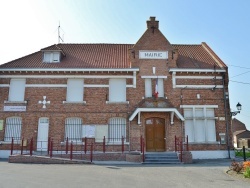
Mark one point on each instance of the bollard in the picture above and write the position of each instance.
(104, 144)
(244, 153)
(12, 146)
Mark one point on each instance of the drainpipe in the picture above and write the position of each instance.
(226, 116)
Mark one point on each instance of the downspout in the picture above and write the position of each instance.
(226, 116)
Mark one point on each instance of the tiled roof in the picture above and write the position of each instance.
(113, 56)
(197, 56)
(78, 56)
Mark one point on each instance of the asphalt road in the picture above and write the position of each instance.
(203, 174)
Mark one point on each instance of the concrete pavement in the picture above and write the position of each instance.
(202, 173)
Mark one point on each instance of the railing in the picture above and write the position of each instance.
(181, 144)
(242, 152)
(67, 149)
(142, 143)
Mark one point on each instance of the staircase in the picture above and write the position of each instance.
(161, 158)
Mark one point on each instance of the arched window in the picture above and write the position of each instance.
(73, 129)
(117, 129)
(13, 128)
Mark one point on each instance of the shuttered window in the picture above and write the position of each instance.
(13, 128)
(200, 124)
(117, 129)
(17, 89)
(117, 90)
(75, 90)
(73, 129)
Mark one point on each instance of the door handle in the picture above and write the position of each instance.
(164, 138)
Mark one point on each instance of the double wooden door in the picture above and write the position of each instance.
(155, 134)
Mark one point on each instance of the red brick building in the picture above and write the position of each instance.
(151, 89)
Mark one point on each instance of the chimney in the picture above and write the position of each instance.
(175, 54)
(152, 24)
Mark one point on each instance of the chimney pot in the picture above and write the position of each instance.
(152, 23)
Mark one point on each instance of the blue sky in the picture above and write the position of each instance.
(29, 25)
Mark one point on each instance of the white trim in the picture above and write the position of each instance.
(200, 86)
(198, 106)
(4, 85)
(212, 154)
(115, 102)
(10, 102)
(196, 70)
(45, 85)
(67, 76)
(199, 77)
(134, 79)
(154, 77)
(177, 113)
(72, 102)
(73, 69)
(63, 85)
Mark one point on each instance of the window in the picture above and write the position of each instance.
(13, 129)
(73, 129)
(200, 124)
(75, 90)
(117, 129)
(17, 89)
(51, 57)
(117, 90)
(158, 86)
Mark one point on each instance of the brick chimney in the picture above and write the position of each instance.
(175, 54)
(152, 24)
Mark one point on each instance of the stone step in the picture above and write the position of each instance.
(161, 158)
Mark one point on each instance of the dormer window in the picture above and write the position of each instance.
(51, 57)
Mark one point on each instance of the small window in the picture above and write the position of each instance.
(117, 90)
(51, 57)
(13, 129)
(75, 90)
(16, 90)
(73, 129)
(158, 87)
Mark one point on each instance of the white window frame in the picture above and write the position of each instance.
(73, 129)
(150, 88)
(117, 90)
(13, 128)
(203, 123)
(51, 57)
(116, 129)
(17, 90)
(75, 91)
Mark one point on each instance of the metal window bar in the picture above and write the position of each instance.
(13, 129)
(117, 129)
(73, 129)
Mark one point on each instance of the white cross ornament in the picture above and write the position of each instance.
(44, 102)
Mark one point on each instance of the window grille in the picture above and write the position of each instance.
(13, 129)
(117, 129)
(73, 129)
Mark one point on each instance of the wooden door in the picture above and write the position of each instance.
(155, 134)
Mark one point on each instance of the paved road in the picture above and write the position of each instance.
(201, 174)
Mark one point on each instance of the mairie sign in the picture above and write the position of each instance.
(148, 54)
